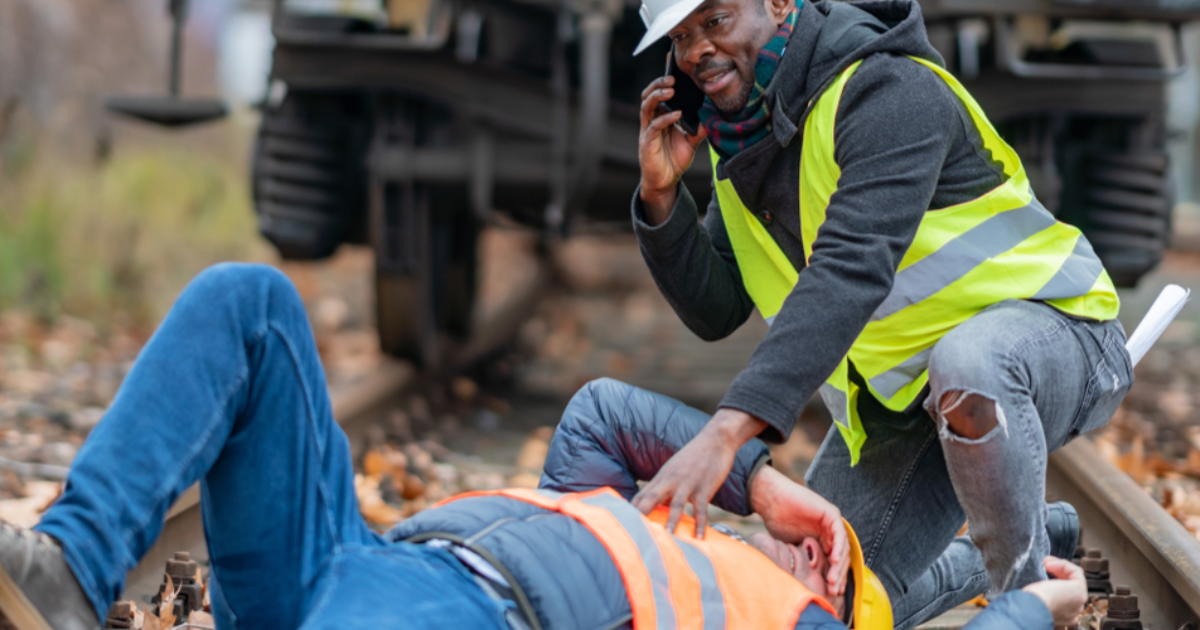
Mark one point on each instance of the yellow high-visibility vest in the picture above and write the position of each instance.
(964, 258)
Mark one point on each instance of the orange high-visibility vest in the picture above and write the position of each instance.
(674, 581)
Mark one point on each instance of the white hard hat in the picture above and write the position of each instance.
(661, 16)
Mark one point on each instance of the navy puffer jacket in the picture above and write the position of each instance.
(611, 434)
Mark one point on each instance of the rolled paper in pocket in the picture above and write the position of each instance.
(1166, 306)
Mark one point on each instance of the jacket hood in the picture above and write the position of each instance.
(830, 35)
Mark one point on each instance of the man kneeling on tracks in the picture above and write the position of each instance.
(864, 205)
(230, 392)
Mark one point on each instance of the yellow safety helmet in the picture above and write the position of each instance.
(872, 608)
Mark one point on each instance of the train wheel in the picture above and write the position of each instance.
(412, 317)
(397, 296)
(1127, 211)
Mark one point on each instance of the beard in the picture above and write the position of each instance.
(733, 103)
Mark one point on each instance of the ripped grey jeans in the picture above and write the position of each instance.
(1052, 378)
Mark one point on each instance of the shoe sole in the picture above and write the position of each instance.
(20, 611)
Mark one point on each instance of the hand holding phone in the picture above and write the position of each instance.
(688, 97)
(666, 147)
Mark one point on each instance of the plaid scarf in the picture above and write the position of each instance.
(730, 133)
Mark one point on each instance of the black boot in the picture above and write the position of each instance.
(1062, 526)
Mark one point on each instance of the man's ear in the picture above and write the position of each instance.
(811, 552)
(779, 10)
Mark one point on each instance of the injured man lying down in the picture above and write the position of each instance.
(230, 392)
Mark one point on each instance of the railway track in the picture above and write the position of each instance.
(1146, 548)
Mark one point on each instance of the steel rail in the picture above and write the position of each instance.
(1147, 549)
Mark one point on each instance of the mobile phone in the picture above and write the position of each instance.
(688, 98)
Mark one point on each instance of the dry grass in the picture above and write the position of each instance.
(115, 243)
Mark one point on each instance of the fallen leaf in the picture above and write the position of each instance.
(202, 618)
(147, 621)
(1107, 448)
(166, 608)
(371, 505)
(374, 463)
(414, 506)
(413, 488)
(1191, 466)
(524, 480)
(381, 514)
(150, 621)
(203, 587)
(52, 499)
(1158, 466)
(533, 453)
(1134, 462)
(27, 512)
(397, 462)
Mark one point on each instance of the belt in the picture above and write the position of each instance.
(493, 584)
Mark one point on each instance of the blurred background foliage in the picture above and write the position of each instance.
(102, 219)
(112, 242)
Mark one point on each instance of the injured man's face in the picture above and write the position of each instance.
(806, 562)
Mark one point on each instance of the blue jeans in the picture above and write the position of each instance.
(230, 392)
(1051, 377)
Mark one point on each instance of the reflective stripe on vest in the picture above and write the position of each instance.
(964, 258)
(675, 581)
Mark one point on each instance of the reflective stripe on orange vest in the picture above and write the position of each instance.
(675, 581)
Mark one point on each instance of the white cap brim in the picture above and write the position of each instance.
(666, 21)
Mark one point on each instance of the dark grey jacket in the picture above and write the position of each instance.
(905, 145)
(613, 434)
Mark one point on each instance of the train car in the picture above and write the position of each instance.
(410, 124)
